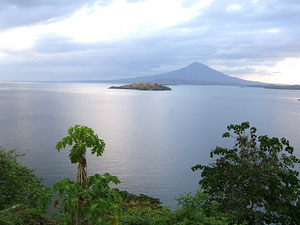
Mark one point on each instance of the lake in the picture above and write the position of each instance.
(152, 138)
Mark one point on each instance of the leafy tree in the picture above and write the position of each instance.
(81, 138)
(255, 180)
(100, 202)
(18, 184)
(90, 200)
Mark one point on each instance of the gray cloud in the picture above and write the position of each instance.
(14, 13)
(216, 37)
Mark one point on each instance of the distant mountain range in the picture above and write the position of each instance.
(193, 74)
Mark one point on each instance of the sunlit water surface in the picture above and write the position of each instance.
(152, 138)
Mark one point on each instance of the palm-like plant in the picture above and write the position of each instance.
(81, 138)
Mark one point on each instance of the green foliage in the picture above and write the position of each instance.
(18, 184)
(146, 216)
(140, 199)
(22, 215)
(81, 138)
(89, 200)
(193, 210)
(142, 209)
(255, 180)
(98, 202)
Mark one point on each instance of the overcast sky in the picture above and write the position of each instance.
(107, 39)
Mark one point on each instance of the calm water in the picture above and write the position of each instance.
(152, 138)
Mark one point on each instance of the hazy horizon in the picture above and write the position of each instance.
(106, 80)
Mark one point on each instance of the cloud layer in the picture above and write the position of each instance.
(84, 40)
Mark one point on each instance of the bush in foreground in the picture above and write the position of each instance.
(193, 209)
(255, 180)
(18, 184)
(23, 198)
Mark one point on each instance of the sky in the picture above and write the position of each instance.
(60, 40)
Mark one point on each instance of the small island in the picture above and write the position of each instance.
(143, 87)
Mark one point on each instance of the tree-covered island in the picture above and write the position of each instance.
(143, 87)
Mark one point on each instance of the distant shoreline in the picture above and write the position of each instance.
(284, 87)
(269, 86)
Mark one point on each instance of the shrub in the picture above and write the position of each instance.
(194, 209)
(255, 180)
(18, 184)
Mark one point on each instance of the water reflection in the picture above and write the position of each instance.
(152, 138)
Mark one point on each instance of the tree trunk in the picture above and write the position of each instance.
(81, 172)
(82, 180)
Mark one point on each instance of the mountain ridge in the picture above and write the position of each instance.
(194, 74)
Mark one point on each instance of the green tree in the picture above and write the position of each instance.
(90, 200)
(81, 138)
(18, 184)
(255, 180)
(99, 204)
